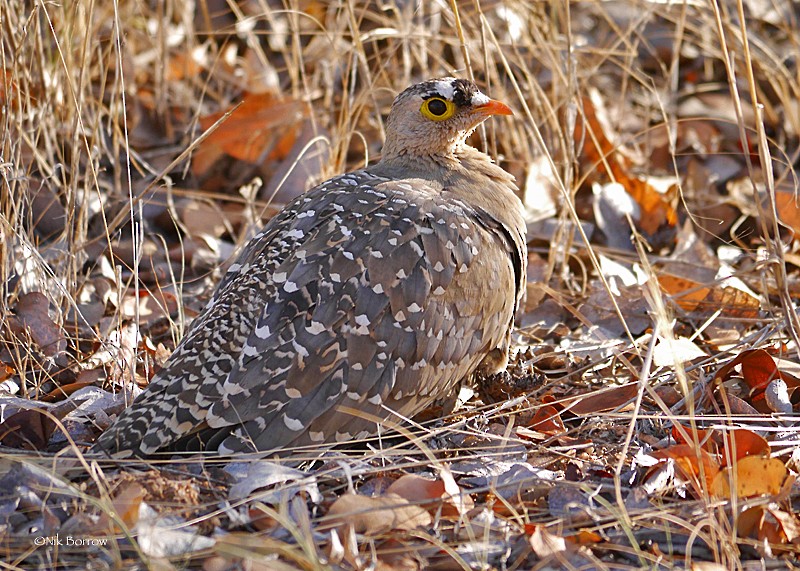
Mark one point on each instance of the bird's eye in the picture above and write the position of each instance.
(438, 109)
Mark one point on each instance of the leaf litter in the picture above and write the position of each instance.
(647, 419)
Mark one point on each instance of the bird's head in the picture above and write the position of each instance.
(434, 118)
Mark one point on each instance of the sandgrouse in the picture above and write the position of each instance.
(377, 291)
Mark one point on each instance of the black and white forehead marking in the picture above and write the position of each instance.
(462, 92)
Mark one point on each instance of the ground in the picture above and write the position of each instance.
(647, 418)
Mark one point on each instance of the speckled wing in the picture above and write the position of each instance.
(365, 293)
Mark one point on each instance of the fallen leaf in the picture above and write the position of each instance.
(262, 127)
(31, 316)
(758, 370)
(434, 495)
(27, 430)
(60, 393)
(696, 297)
(606, 157)
(374, 516)
(689, 459)
(729, 445)
(126, 505)
(149, 306)
(602, 400)
(768, 523)
(754, 476)
(788, 209)
(546, 544)
(585, 537)
(673, 352)
(5, 371)
(547, 420)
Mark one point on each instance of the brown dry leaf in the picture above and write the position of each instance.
(264, 126)
(688, 459)
(260, 520)
(200, 218)
(441, 494)
(742, 443)
(547, 420)
(687, 293)
(374, 516)
(768, 523)
(27, 430)
(683, 435)
(31, 316)
(758, 370)
(48, 215)
(692, 296)
(62, 392)
(126, 507)
(127, 502)
(585, 537)
(395, 555)
(250, 545)
(181, 65)
(736, 444)
(788, 209)
(607, 158)
(789, 524)
(8, 81)
(417, 489)
(6, 371)
(755, 476)
(602, 400)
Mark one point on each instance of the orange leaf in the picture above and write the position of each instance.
(741, 443)
(182, 65)
(689, 459)
(692, 296)
(603, 400)
(126, 506)
(736, 444)
(432, 494)
(584, 537)
(704, 437)
(127, 503)
(687, 293)
(5, 371)
(758, 368)
(264, 126)
(752, 476)
(788, 209)
(547, 421)
(609, 160)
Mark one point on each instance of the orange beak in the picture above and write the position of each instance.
(493, 107)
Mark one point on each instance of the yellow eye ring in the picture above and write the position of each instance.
(437, 109)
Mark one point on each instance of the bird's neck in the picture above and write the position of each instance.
(467, 175)
(459, 163)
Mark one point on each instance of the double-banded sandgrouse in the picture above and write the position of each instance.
(376, 291)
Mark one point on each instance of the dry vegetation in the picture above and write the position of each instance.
(648, 421)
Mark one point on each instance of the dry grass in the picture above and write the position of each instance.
(101, 120)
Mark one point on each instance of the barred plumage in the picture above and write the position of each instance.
(378, 290)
